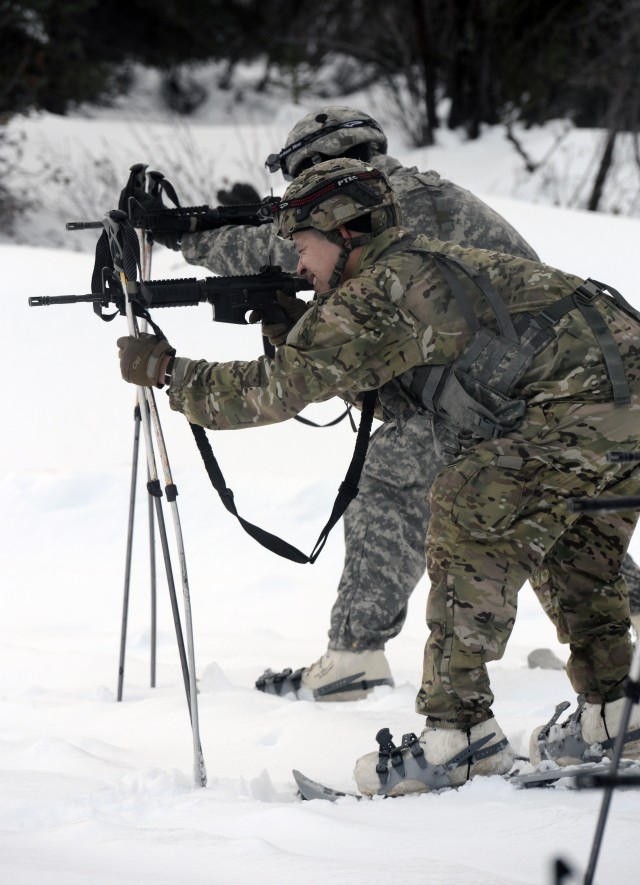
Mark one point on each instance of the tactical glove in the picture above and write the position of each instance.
(238, 195)
(142, 360)
(168, 238)
(294, 308)
(149, 204)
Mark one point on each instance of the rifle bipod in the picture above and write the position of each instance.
(124, 252)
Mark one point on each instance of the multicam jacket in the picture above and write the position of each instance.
(430, 205)
(396, 312)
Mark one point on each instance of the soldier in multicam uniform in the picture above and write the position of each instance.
(531, 376)
(385, 525)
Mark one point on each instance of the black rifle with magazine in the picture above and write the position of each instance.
(231, 298)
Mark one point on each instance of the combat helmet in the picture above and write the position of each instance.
(335, 131)
(334, 193)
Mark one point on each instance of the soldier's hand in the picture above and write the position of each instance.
(294, 309)
(238, 195)
(144, 360)
(145, 203)
(169, 238)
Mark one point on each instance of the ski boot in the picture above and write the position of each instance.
(339, 675)
(440, 758)
(588, 735)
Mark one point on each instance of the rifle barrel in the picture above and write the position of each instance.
(188, 219)
(45, 300)
(82, 225)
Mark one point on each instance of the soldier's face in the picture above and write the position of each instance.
(316, 258)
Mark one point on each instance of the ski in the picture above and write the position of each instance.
(309, 789)
(584, 776)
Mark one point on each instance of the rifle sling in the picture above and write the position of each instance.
(346, 493)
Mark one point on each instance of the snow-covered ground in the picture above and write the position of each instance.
(92, 790)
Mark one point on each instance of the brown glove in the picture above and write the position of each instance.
(277, 333)
(142, 359)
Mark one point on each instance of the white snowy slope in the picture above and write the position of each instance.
(96, 791)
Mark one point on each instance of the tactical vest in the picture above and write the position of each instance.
(472, 398)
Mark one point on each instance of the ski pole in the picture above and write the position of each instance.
(124, 247)
(127, 568)
(137, 181)
(154, 604)
(632, 693)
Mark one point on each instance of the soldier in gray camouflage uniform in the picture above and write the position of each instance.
(385, 525)
(531, 376)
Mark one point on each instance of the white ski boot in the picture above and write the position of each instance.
(440, 758)
(588, 735)
(339, 675)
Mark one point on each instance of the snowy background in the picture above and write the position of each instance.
(92, 790)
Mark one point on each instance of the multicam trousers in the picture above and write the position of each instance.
(501, 515)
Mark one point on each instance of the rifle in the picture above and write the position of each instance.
(153, 217)
(230, 297)
(187, 219)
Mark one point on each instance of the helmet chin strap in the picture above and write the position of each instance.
(338, 270)
(346, 248)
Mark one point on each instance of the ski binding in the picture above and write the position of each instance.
(584, 776)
